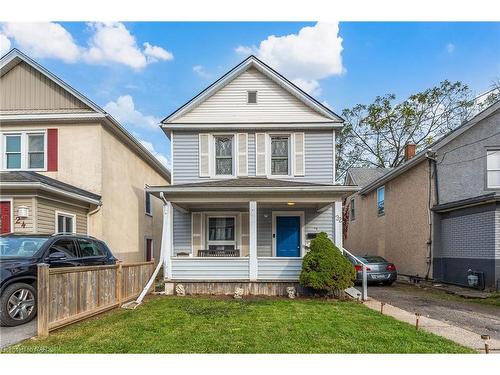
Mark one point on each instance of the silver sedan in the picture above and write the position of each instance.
(378, 270)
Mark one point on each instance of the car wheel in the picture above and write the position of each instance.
(17, 305)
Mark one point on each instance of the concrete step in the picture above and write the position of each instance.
(353, 293)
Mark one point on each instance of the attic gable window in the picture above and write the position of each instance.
(251, 97)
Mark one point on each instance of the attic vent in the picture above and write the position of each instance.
(252, 97)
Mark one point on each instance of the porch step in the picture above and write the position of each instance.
(354, 293)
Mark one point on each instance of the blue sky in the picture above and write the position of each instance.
(340, 64)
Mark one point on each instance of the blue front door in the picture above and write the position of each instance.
(288, 236)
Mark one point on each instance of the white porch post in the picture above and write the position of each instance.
(167, 240)
(338, 224)
(252, 222)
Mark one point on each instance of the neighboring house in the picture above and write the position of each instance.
(253, 180)
(68, 166)
(437, 215)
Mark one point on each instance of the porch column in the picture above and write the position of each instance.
(338, 225)
(252, 222)
(167, 248)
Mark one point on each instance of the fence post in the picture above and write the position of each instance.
(43, 300)
(119, 278)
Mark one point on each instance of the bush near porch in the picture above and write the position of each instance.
(225, 325)
(325, 269)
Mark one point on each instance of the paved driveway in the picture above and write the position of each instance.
(480, 319)
(12, 335)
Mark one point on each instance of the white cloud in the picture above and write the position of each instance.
(200, 70)
(158, 155)
(43, 39)
(450, 48)
(4, 44)
(155, 53)
(314, 53)
(109, 43)
(123, 109)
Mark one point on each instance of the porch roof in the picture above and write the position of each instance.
(253, 186)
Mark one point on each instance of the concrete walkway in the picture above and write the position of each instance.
(12, 335)
(437, 327)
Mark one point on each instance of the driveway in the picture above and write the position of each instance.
(12, 335)
(480, 319)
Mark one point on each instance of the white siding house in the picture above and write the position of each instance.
(253, 181)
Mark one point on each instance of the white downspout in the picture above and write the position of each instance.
(90, 213)
(164, 240)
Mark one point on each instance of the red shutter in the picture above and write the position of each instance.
(5, 217)
(52, 150)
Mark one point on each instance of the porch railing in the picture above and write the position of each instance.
(364, 290)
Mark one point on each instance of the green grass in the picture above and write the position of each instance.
(224, 325)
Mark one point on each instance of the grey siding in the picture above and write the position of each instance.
(314, 222)
(466, 239)
(462, 162)
(182, 232)
(319, 148)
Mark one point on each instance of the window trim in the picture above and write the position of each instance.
(66, 214)
(214, 159)
(383, 211)
(256, 97)
(146, 211)
(486, 186)
(24, 149)
(207, 230)
(291, 153)
(352, 209)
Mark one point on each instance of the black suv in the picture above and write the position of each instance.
(19, 256)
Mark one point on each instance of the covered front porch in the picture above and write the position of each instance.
(245, 234)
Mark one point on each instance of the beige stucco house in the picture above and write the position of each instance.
(68, 166)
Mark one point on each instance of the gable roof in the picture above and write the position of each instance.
(362, 176)
(14, 57)
(254, 62)
(444, 140)
(28, 179)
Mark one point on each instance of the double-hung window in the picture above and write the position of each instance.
(493, 169)
(223, 155)
(280, 155)
(221, 233)
(381, 200)
(24, 150)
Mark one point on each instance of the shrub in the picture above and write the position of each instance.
(325, 269)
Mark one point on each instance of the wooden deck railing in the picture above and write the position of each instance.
(67, 295)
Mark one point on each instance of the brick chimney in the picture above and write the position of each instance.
(410, 150)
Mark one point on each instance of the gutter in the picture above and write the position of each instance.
(37, 185)
(222, 189)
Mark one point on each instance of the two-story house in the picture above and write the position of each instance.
(253, 181)
(68, 166)
(437, 216)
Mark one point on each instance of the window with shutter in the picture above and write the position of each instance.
(299, 148)
(223, 155)
(242, 154)
(204, 157)
(260, 154)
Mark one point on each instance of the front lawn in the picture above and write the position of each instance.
(224, 325)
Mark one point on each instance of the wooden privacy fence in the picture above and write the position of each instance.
(67, 295)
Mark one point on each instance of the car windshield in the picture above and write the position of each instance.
(374, 259)
(24, 247)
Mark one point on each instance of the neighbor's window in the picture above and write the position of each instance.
(65, 223)
(24, 150)
(252, 97)
(353, 209)
(280, 146)
(223, 155)
(149, 206)
(221, 234)
(493, 169)
(381, 200)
